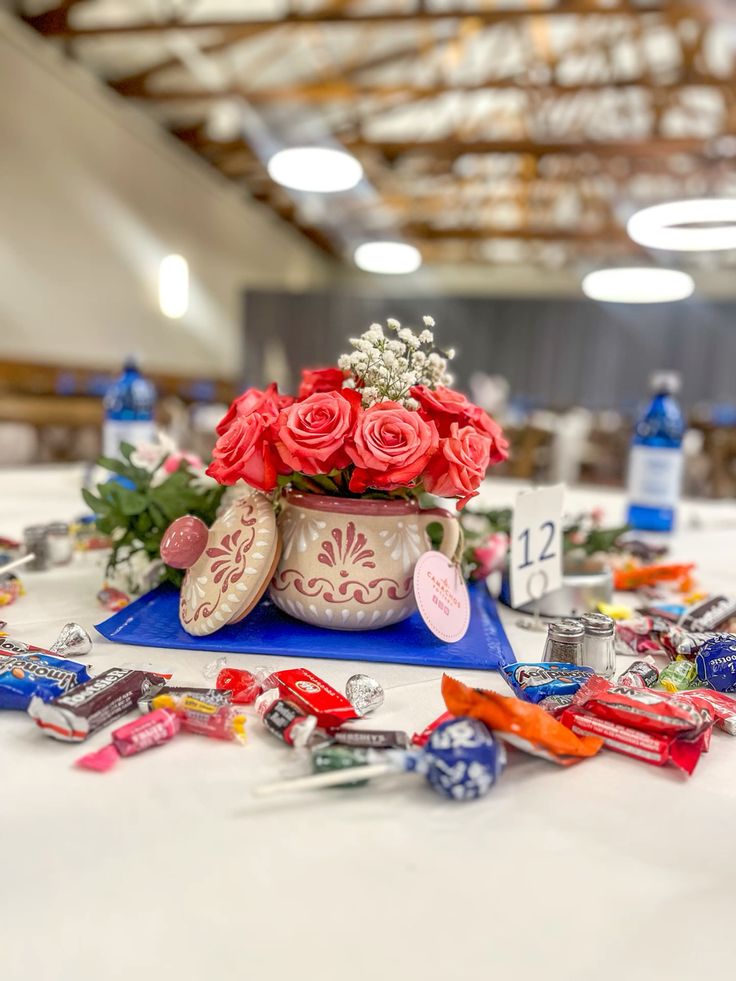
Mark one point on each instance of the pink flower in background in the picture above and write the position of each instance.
(321, 380)
(460, 465)
(391, 447)
(491, 556)
(445, 406)
(311, 434)
(173, 461)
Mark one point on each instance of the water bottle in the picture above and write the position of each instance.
(129, 411)
(655, 461)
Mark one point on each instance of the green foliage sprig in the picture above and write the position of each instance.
(135, 514)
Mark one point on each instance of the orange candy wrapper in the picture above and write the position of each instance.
(634, 577)
(521, 724)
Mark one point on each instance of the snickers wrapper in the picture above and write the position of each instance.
(93, 705)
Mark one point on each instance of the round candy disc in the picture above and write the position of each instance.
(235, 568)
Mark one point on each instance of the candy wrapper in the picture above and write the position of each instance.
(243, 686)
(723, 707)
(657, 712)
(313, 696)
(715, 663)
(640, 674)
(95, 704)
(534, 681)
(524, 725)
(647, 747)
(204, 714)
(151, 730)
(27, 672)
(284, 719)
(461, 761)
(11, 589)
(639, 576)
(421, 738)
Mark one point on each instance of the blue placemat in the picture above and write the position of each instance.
(153, 621)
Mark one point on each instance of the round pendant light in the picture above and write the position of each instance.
(389, 258)
(638, 284)
(699, 225)
(320, 169)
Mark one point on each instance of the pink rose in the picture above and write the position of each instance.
(311, 435)
(390, 448)
(267, 404)
(245, 451)
(174, 460)
(321, 380)
(460, 465)
(491, 556)
(445, 406)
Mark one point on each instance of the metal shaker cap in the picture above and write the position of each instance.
(569, 630)
(598, 623)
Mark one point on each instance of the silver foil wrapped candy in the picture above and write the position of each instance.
(364, 692)
(72, 642)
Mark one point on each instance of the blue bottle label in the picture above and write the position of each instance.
(655, 474)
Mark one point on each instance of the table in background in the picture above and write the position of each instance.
(167, 867)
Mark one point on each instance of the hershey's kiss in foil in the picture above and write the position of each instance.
(73, 641)
(364, 692)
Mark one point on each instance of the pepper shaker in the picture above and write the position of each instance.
(564, 641)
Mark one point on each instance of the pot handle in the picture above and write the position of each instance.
(450, 528)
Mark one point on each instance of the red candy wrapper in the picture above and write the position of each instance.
(723, 707)
(656, 712)
(313, 695)
(153, 729)
(243, 685)
(645, 746)
(422, 738)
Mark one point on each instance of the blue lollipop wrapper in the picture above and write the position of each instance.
(716, 663)
(461, 760)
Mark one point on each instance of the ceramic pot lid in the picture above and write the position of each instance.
(238, 561)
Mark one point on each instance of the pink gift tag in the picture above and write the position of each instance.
(442, 596)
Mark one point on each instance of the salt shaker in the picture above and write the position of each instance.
(564, 641)
(599, 648)
(59, 544)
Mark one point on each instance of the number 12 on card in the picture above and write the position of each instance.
(536, 544)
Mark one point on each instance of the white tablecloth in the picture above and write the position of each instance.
(167, 867)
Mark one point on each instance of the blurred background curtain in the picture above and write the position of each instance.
(555, 353)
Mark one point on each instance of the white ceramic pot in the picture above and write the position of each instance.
(347, 563)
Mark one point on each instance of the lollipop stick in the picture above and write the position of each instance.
(16, 564)
(334, 778)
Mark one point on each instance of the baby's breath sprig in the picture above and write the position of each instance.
(384, 368)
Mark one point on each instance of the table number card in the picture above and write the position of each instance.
(536, 544)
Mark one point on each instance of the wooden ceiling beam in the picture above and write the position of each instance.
(421, 231)
(316, 93)
(389, 18)
(452, 148)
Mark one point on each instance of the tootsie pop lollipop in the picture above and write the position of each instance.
(461, 761)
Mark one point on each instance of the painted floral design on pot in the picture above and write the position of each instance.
(348, 563)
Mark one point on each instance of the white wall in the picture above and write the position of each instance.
(92, 196)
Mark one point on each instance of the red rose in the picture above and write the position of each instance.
(245, 450)
(321, 380)
(444, 406)
(460, 465)
(268, 404)
(390, 448)
(311, 434)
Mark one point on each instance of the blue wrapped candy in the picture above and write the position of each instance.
(26, 671)
(461, 760)
(716, 663)
(535, 680)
